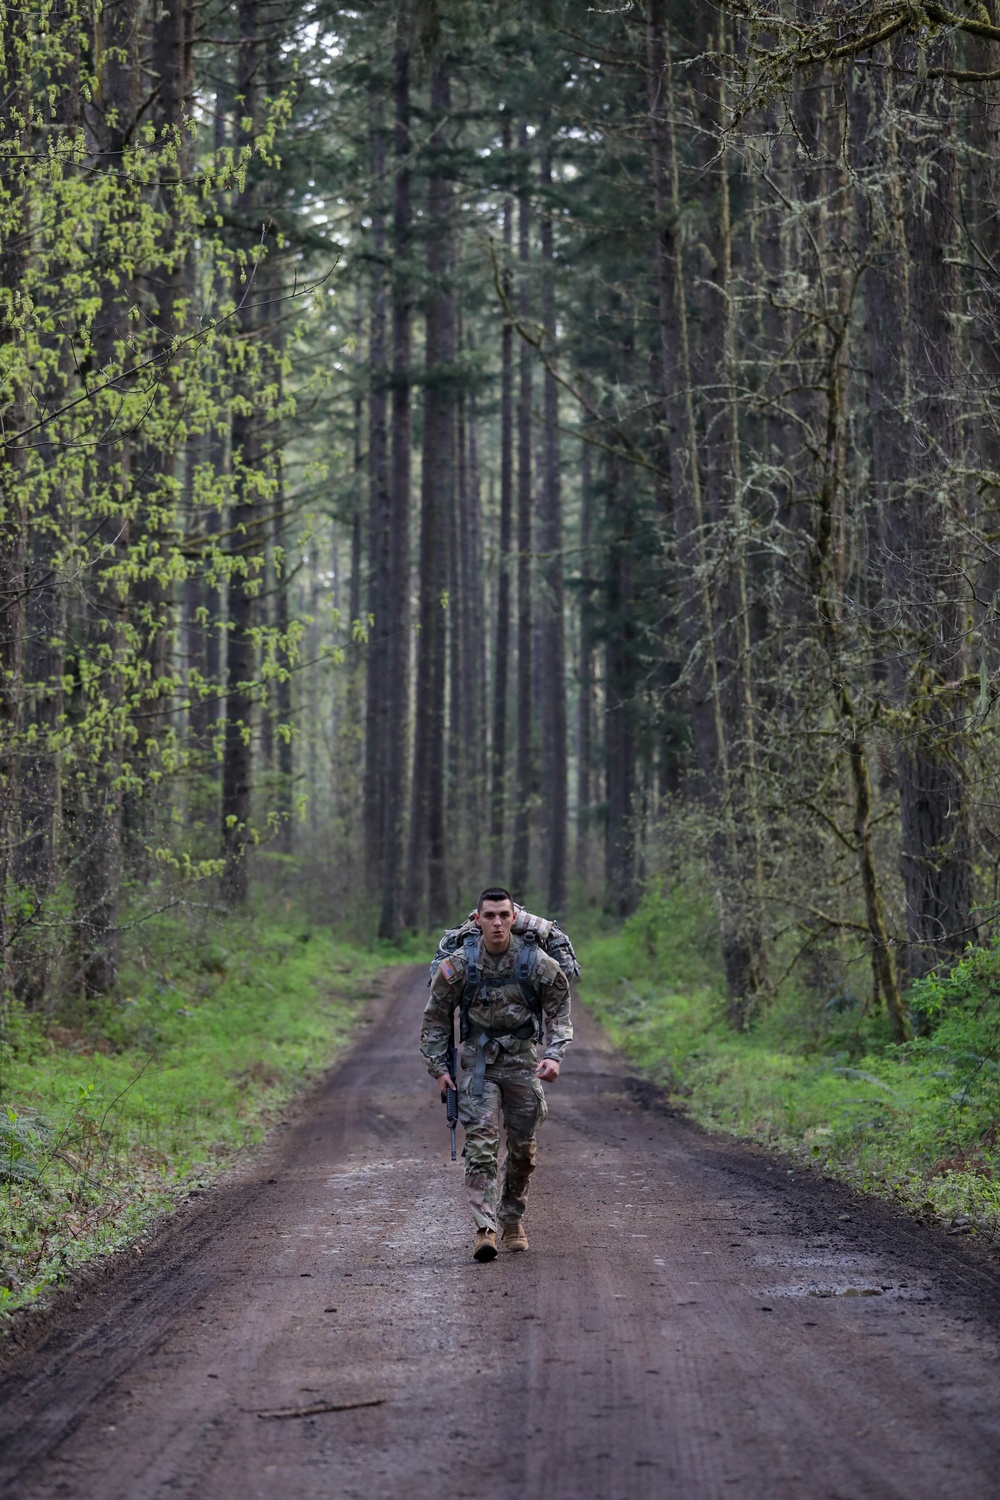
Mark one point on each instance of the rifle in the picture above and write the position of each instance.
(449, 1097)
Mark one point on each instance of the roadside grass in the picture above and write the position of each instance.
(815, 1077)
(110, 1117)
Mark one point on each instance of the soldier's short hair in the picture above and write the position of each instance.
(494, 893)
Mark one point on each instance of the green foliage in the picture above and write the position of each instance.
(20, 1140)
(108, 1121)
(821, 1080)
(126, 356)
(960, 1045)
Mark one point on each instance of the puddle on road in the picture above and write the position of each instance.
(845, 1289)
(830, 1258)
(859, 1276)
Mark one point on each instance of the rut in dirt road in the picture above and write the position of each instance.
(692, 1320)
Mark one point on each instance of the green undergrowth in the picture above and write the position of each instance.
(110, 1117)
(815, 1076)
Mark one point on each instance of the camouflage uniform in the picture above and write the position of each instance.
(510, 1090)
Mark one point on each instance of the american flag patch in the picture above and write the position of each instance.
(448, 970)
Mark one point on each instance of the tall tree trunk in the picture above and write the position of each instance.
(426, 893)
(204, 599)
(620, 691)
(195, 622)
(702, 613)
(15, 148)
(457, 643)
(744, 941)
(827, 587)
(501, 650)
(283, 708)
(349, 765)
(39, 785)
(157, 460)
(95, 805)
(379, 535)
(930, 567)
(473, 698)
(585, 672)
(912, 300)
(467, 696)
(397, 612)
(554, 779)
(39, 782)
(280, 710)
(682, 436)
(524, 787)
(245, 518)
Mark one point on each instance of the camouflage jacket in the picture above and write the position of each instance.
(496, 1007)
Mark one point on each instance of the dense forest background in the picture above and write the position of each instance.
(447, 443)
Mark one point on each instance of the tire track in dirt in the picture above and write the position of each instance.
(693, 1318)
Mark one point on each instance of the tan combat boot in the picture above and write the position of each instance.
(514, 1237)
(486, 1245)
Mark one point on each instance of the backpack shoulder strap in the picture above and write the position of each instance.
(524, 972)
(473, 979)
(470, 946)
(527, 957)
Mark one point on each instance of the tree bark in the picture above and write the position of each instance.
(708, 615)
(585, 672)
(473, 705)
(39, 785)
(158, 460)
(620, 689)
(426, 895)
(524, 789)
(204, 598)
(280, 708)
(379, 536)
(930, 568)
(554, 779)
(245, 520)
(94, 808)
(912, 300)
(501, 651)
(467, 688)
(348, 767)
(284, 709)
(682, 436)
(15, 148)
(397, 612)
(459, 687)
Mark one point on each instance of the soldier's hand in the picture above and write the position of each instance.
(445, 1081)
(547, 1070)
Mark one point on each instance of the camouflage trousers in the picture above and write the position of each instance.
(511, 1094)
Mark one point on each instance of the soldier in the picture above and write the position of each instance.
(510, 996)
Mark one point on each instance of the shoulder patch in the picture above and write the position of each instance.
(547, 969)
(449, 969)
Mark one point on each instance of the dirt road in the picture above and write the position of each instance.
(692, 1320)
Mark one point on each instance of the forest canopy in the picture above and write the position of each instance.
(446, 443)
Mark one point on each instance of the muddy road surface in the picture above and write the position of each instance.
(692, 1320)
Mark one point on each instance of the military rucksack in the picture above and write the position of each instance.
(547, 934)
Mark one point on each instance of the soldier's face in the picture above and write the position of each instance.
(495, 920)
